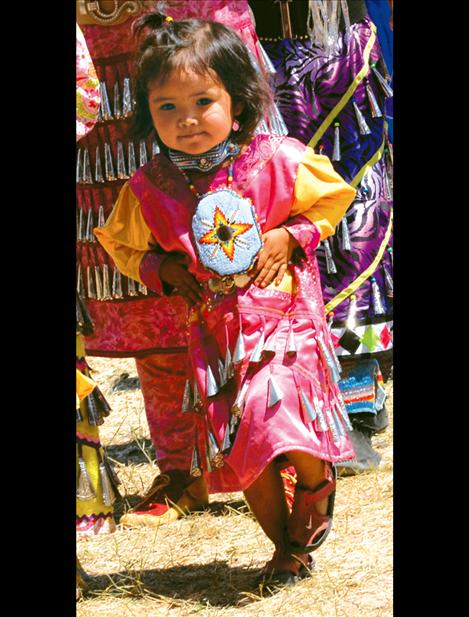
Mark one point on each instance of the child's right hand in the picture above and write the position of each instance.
(174, 272)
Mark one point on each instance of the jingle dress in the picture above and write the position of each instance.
(129, 319)
(96, 481)
(332, 99)
(285, 380)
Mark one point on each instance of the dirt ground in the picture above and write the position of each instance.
(206, 564)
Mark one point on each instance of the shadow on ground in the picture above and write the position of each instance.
(214, 584)
(132, 452)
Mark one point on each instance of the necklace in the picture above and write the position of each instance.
(205, 161)
(229, 179)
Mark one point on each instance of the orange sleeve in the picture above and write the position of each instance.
(320, 193)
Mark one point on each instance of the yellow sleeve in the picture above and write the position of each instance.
(126, 236)
(320, 193)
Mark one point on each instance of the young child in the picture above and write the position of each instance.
(263, 374)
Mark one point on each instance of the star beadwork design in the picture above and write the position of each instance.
(224, 233)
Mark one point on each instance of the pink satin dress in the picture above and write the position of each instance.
(266, 174)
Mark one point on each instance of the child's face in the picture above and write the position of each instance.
(191, 113)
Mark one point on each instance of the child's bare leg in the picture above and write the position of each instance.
(310, 473)
(266, 498)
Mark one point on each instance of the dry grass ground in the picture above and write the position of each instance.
(206, 564)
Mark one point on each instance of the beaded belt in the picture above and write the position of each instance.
(228, 284)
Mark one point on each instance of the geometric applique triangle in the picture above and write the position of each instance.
(370, 338)
(349, 341)
(385, 336)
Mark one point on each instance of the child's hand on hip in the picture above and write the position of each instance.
(273, 257)
(174, 272)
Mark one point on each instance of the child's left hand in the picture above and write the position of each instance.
(273, 257)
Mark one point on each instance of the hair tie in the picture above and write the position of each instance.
(167, 20)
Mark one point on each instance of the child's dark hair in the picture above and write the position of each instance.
(201, 46)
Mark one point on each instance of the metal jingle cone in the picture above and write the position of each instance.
(142, 289)
(388, 281)
(117, 284)
(378, 307)
(81, 226)
(89, 236)
(85, 488)
(187, 398)
(79, 167)
(197, 404)
(91, 283)
(126, 98)
(101, 217)
(87, 177)
(307, 406)
(338, 423)
(234, 423)
(256, 355)
(318, 408)
(380, 397)
(336, 149)
(142, 150)
(228, 368)
(346, 244)
(342, 412)
(362, 125)
(155, 149)
(112, 474)
(330, 264)
(99, 283)
(108, 494)
(131, 155)
(275, 394)
(335, 375)
(107, 295)
(98, 171)
(333, 355)
(387, 193)
(216, 457)
(227, 443)
(79, 417)
(387, 90)
(92, 411)
(117, 102)
(374, 107)
(101, 403)
(105, 106)
(239, 352)
(291, 346)
(131, 290)
(121, 172)
(80, 283)
(195, 468)
(108, 164)
(212, 386)
(221, 372)
(238, 405)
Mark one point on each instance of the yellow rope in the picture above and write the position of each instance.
(355, 284)
(349, 92)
